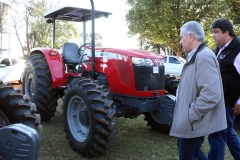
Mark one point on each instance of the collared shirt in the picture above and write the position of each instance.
(222, 47)
(190, 54)
(236, 62)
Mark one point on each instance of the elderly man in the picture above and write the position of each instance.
(199, 105)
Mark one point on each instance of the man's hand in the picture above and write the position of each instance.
(236, 109)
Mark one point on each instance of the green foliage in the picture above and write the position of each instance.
(98, 39)
(40, 33)
(233, 10)
(159, 21)
(29, 15)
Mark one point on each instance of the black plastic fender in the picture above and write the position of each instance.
(161, 119)
(165, 113)
(18, 141)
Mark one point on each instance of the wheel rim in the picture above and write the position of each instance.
(79, 130)
(29, 85)
(3, 120)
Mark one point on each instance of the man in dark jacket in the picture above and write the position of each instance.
(228, 55)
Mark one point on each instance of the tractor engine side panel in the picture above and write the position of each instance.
(124, 73)
(125, 79)
(119, 74)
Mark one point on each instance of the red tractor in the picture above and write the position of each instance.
(96, 85)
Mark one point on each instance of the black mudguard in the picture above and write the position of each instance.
(165, 112)
(18, 141)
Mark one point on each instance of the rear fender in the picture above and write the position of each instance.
(55, 64)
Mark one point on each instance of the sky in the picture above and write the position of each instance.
(112, 29)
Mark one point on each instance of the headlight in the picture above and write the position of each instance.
(161, 62)
(142, 61)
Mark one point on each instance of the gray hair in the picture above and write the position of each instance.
(194, 28)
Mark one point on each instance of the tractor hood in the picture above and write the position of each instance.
(133, 53)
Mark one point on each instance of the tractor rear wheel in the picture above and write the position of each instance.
(89, 120)
(171, 84)
(37, 83)
(16, 108)
(154, 118)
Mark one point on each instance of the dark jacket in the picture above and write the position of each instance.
(230, 76)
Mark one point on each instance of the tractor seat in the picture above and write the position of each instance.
(70, 53)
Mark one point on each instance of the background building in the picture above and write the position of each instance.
(5, 31)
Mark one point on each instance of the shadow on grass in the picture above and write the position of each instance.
(133, 141)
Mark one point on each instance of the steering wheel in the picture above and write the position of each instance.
(80, 48)
(81, 54)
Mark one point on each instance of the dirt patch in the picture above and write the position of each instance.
(17, 85)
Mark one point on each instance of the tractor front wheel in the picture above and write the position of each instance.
(89, 120)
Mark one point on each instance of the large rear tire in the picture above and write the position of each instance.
(89, 120)
(37, 83)
(154, 118)
(16, 108)
(171, 84)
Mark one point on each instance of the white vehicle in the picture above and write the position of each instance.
(173, 65)
(11, 69)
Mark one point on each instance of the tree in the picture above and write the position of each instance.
(159, 48)
(37, 32)
(233, 11)
(98, 39)
(159, 21)
(230, 10)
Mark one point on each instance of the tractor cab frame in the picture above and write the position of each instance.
(75, 14)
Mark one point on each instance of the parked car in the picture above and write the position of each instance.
(11, 69)
(174, 65)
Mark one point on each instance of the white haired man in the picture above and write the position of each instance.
(199, 105)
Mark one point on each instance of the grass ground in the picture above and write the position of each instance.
(134, 141)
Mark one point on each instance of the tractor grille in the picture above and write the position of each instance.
(147, 79)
